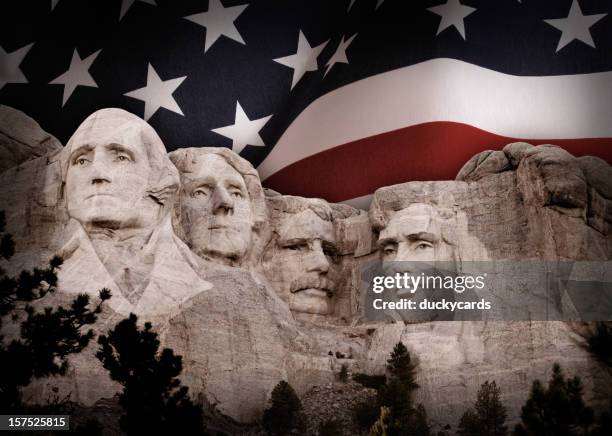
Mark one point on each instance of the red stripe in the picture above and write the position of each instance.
(430, 151)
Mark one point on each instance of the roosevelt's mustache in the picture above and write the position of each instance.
(312, 282)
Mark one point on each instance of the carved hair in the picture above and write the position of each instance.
(116, 125)
(289, 204)
(454, 225)
(186, 158)
(388, 200)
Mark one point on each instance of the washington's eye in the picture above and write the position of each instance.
(236, 194)
(123, 158)
(423, 246)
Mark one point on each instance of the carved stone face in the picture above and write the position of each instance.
(558, 178)
(106, 183)
(414, 234)
(302, 264)
(216, 209)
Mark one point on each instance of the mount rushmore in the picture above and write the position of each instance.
(252, 286)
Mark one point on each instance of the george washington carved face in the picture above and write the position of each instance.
(109, 172)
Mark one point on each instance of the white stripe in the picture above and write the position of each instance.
(572, 106)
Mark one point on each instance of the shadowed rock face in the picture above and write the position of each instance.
(554, 205)
(222, 271)
(524, 202)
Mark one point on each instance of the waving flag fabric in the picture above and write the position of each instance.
(328, 99)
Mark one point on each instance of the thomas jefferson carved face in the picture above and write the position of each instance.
(107, 180)
(216, 209)
(301, 265)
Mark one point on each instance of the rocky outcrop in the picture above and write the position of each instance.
(22, 139)
(252, 287)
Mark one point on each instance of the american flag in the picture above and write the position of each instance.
(329, 99)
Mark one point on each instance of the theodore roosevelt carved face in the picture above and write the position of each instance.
(301, 260)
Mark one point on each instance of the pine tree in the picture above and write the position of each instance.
(401, 367)
(488, 416)
(381, 426)
(396, 394)
(419, 425)
(600, 343)
(469, 424)
(45, 338)
(556, 410)
(604, 423)
(282, 415)
(343, 375)
(153, 399)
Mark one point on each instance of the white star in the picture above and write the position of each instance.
(244, 131)
(157, 93)
(126, 4)
(575, 26)
(218, 21)
(77, 74)
(340, 55)
(453, 14)
(305, 59)
(378, 3)
(351, 3)
(54, 4)
(9, 65)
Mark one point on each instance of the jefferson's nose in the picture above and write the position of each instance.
(317, 261)
(222, 201)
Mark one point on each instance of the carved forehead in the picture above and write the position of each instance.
(212, 166)
(116, 126)
(305, 225)
(413, 220)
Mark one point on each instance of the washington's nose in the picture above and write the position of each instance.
(222, 202)
(98, 173)
(317, 261)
